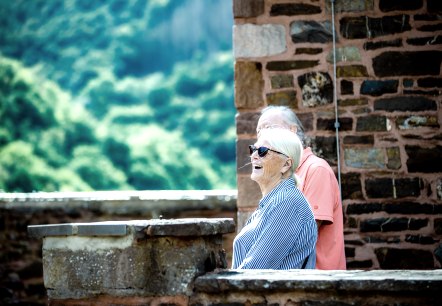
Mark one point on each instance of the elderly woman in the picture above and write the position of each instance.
(281, 233)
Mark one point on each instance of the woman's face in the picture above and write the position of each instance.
(268, 169)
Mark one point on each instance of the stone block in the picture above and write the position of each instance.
(351, 186)
(415, 121)
(247, 8)
(243, 163)
(379, 87)
(398, 5)
(281, 81)
(364, 158)
(363, 208)
(350, 5)
(346, 87)
(325, 147)
(365, 139)
(424, 159)
(286, 98)
(155, 257)
(316, 88)
(394, 158)
(345, 124)
(311, 51)
(368, 27)
(419, 239)
(430, 82)
(345, 54)
(352, 102)
(434, 6)
(250, 40)
(311, 32)
(425, 41)
(351, 71)
(372, 123)
(395, 63)
(246, 122)
(371, 45)
(290, 65)
(249, 193)
(249, 85)
(390, 258)
(293, 9)
(405, 104)
(392, 224)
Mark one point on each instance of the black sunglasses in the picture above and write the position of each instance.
(262, 151)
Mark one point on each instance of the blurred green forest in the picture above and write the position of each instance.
(116, 95)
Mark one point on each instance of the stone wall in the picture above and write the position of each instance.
(21, 269)
(387, 91)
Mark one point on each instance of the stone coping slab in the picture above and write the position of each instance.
(153, 227)
(418, 281)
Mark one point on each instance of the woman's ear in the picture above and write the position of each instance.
(287, 166)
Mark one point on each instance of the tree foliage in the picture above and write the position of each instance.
(116, 95)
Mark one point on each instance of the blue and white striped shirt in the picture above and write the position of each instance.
(280, 234)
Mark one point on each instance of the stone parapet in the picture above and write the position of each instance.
(316, 287)
(139, 258)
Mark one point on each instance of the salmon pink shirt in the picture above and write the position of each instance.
(320, 187)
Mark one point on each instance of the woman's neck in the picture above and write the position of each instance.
(265, 189)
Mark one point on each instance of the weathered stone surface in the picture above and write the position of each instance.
(352, 71)
(351, 186)
(399, 5)
(424, 159)
(394, 63)
(243, 155)
(394, 158)
(372, 123)
(433, 93)
(378, 87)
(390, 258)
(401, 207)
(281, 81)
(293, 9)
(325, 147)
(251, 40)
(392, 188)
(350, 5)
(424, 41)
(352, 102)
(346, 87)
(405, 104)
(434, 6)
(438, 253)
(155, 257)
(438, 226)
(312, 287)
(311, 31)
(246, 123)
(414, 121)
(367, 27)
(249, 196)
(419, 239)
(365, 139)
(287, 98)
(345, 54)
(430, 82)
(290, 65)
(316, 88)
(249, 85)
(370, 45)
(345, 124)
(359, 264)
(392, 224)
(364, 158)
(408, 83)
(247, 8)
(308, 51)
(430, 27)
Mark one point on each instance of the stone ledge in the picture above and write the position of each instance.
(412, 281)
(154, 227)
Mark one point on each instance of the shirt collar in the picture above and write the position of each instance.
(285, 184)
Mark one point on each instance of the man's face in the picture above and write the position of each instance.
(272, 120)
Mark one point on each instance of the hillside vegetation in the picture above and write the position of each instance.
(116, 95)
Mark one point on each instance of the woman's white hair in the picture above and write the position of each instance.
(287, 142)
